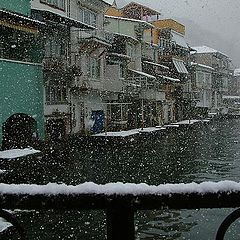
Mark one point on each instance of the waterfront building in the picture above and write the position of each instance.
(73, 55)
(142, 91)
(201, 88)
(89, 50)
(222, 73)
(21, 83)
(234, 84)
(174, 52)
(165, 55)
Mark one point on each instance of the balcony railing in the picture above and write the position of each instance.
(121, 201)
(97, 34)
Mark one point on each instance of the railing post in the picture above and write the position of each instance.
(120, 221)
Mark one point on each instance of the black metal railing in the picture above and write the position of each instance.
(120, 206)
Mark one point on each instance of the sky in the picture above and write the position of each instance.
(218, 16)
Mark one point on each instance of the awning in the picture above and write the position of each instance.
(179, 65)
(55, 17)
(169, 78)
(179, 39)
(142, 74)
(156, 64)
(19, 22)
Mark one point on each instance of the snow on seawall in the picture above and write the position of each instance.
(16, 153)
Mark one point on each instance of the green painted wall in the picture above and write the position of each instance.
(18, 6)
(21, 91)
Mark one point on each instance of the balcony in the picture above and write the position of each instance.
(120, 201)
(84, 84)
(100, 37)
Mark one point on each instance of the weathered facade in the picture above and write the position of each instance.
(142, 91)
(70, 30)
(21, 83)
(201, 88)
(88, 52)
(222, 74)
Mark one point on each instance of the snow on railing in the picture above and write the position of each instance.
(120, 188)
(121, 200)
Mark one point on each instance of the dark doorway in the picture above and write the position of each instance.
(98, 121)
(19, 131)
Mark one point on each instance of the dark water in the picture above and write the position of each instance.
(208, 153)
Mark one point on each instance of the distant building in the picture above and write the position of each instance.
(222, 73)
(21, 83)
(234, 84)
(201, 88)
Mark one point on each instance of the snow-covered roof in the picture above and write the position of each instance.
(16, 153)
(206, 49)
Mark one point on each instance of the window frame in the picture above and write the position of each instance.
(88, 15)
(59, 4)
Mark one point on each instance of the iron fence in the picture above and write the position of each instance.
(120, 207)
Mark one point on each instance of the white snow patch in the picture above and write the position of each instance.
(188, 122)
(120, 188)
(4, 225)
(129, 132)
(150, 129)
(206, 49)
(118, 134)
(171, 126)
(16, 153)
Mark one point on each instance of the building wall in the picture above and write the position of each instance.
(36, 4)
(112, 11)
(21, 92)
(118, 25)
(205, 59)
(171, 24)
(22, 6)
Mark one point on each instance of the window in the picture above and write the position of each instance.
(121, 70)
(199, 79)
(208, 80)
(55, 48)
(60, 4)
(87, 16)
(56, 93)
(130, 50)
(94, 68)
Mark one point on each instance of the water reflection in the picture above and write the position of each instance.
(209, 153)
